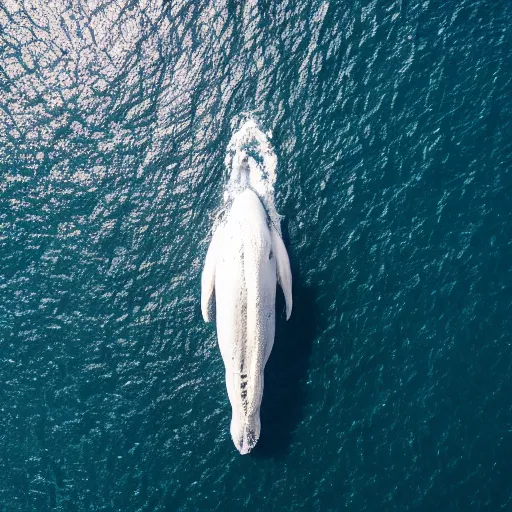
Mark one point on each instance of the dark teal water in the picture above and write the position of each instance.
(390, 387)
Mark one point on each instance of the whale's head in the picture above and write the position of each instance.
(240, 170)
(243, 174)
(251, 163)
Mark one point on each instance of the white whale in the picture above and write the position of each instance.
(245, 259)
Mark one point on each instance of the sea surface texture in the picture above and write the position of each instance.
(390, 387)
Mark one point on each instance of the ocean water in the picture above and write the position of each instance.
(389, 389)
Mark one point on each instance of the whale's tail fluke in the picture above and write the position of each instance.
(245, 432)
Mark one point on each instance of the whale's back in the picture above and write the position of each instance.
(245, 295)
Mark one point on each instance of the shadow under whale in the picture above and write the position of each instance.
(286, 369)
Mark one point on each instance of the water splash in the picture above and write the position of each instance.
(251, 162)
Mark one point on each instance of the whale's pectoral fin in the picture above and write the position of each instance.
(208, 275)
(284, 273)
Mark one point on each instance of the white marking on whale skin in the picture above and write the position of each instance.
(245, 259)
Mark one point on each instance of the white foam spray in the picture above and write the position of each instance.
(251, 161)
